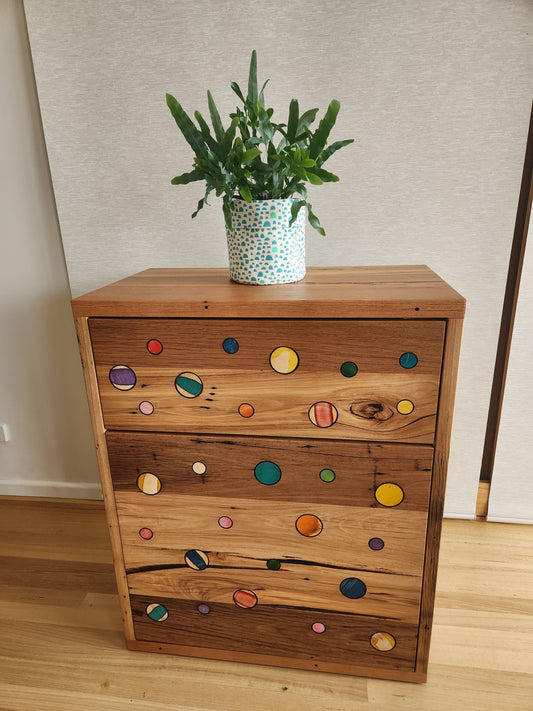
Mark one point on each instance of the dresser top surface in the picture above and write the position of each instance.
(325, 292)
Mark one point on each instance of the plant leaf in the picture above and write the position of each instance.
(245, 192)
(320, 137)
(215, 118)
(295, 209)
(325, 175)
(250, 154)
(292, 123)
(191, 134)
(237, 89)
(252, 79)
(331, 149)
(206, 133)
(306, 119)
(186, 178)
(314, 221)
(314, 178)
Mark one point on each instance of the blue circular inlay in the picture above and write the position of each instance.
(352, 588)
(230, 345)
(408, 360)
(267, 473)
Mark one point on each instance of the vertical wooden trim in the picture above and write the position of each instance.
(509, 309)
(89, 372)
(482, 501)
(450, 365)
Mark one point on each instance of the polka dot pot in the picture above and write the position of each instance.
(262, 248)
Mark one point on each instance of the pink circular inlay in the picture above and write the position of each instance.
(225, 522)
(319, 627)
(146, 407)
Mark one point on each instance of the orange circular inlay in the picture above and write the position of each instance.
(309, 525)
(246, 410)
(245, 598)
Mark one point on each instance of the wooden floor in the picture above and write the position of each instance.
(61, 646)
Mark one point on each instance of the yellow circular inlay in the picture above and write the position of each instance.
(389, 494)
(148, 483)
(405, 407)
(383, 641)
(284, 360)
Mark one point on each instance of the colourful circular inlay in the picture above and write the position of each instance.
(389, 494)
(154, 346)
(376, 544)
(246, 410)
(149, 483)
(199, 468)
(157, 612)
(189, 384)
(267, 473)
(349, 369)
(230, 345)
(122, 377)
(382, 641)
(318, 627)
(245, 598)
(203, 609)
(146, 407)
(405, 407)
(408, 360)
(323, 414)
(273, 564)
(309, 525)
(225, 522)
(146, 533)
(327, 475)
(197, 560)
(352, 588)
(284, 360)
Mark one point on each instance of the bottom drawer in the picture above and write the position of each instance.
(294, 549)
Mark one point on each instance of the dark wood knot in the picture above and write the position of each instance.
(371, 410)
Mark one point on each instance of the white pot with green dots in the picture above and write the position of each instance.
(262, 248)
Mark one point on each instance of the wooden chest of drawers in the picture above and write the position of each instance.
(273, 461)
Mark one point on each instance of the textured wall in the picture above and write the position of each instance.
(50, 451)
(437, 95)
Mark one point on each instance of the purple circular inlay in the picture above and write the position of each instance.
(122, 376)
(204, 609)
(376, 544)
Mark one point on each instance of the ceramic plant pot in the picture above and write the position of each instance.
(262, 248)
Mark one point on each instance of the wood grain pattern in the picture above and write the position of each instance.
(276, 630)
(367, 404)
(450, 368)
(89, 373)
(359, 467)
(413, 291)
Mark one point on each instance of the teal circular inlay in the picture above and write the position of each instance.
(267, 473)
(327, 475)
(157, 612)
(349, 369)
(408, 360)
(188, 384)
(352, 588)
(273, 564)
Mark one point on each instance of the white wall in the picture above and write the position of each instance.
(437, 95)
(42, 400)
(511, 491)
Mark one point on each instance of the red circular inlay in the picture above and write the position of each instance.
(245, 598)
(154, 346)
(146, 533)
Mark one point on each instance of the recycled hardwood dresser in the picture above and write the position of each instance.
(273, 461)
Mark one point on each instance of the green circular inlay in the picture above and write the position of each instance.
(349, 369)
(188, 384)
(267, 473)
(327, 475)
(408, 360)
(273, 564)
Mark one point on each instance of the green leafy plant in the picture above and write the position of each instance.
(256, 158)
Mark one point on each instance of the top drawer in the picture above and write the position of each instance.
(338, 379)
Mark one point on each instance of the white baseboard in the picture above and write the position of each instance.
(500, 519)
(51, 489)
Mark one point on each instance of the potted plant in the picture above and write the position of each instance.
(260, 168)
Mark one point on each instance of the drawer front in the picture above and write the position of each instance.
(357, 380)
(255, 544)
